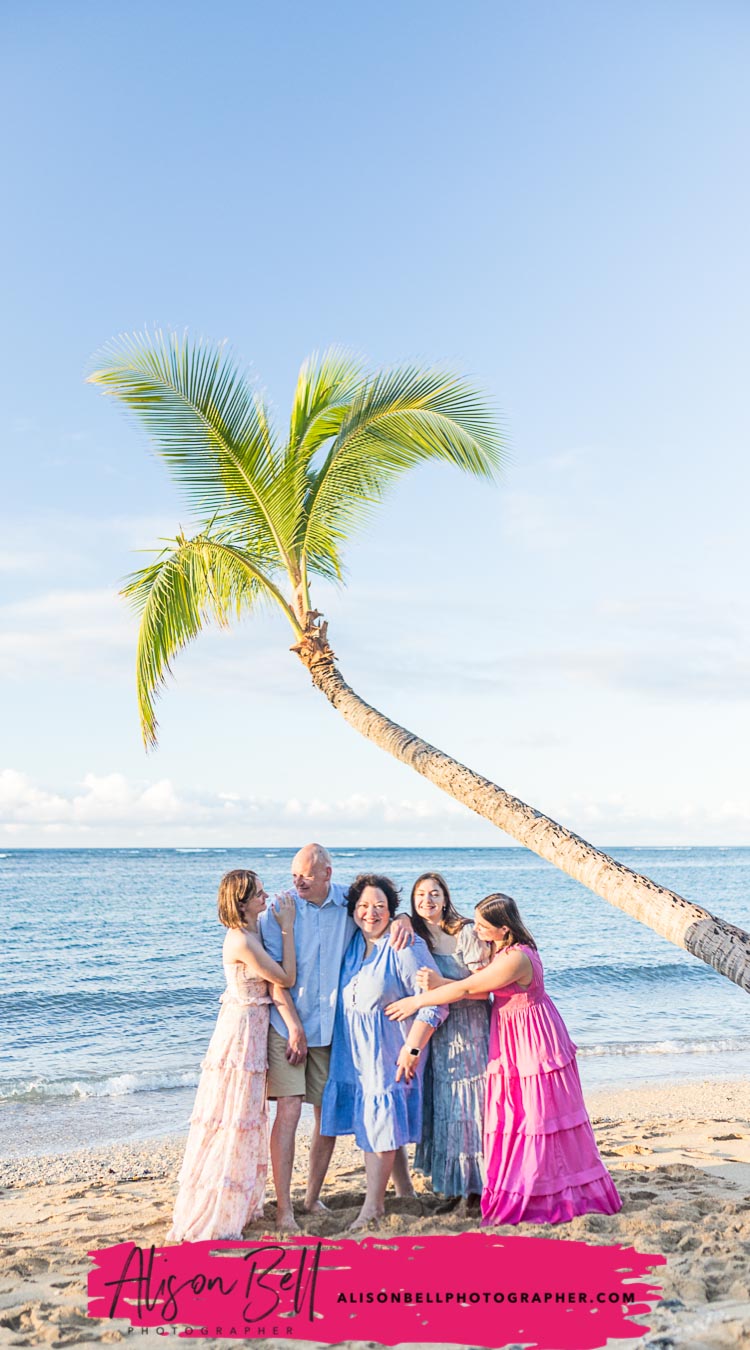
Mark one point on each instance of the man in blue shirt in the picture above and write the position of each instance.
(298, 1060)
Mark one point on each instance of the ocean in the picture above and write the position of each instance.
(112, 974)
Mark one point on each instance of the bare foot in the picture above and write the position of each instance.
(406, 1195)
(365, 1218)
(317, 1207)
(286, 1223)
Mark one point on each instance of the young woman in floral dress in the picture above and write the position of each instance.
(223, 1176)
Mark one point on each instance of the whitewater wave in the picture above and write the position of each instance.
(119, 1085)
(201, 850)
(732, 1044)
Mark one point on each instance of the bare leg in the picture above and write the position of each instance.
(400, 1175)
(321, 1149)
(378, 1167)
(288, 1111)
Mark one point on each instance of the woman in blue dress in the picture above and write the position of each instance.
(451, 1151)
(374, 1088)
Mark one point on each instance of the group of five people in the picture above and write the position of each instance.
(428, 1029)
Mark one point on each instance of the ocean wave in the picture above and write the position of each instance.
(106, 1002)
(616, 973)
(731, 1044)
(120, 1085)
(201, 850)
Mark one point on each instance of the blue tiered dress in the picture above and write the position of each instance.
(452, 1148)
(362, 1096)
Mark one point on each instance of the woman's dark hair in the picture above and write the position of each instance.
(450, 920)
(389, 888)
(500, 911)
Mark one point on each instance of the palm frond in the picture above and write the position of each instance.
(206, 422)
(398, 419)
(325, 388)
(189, 585)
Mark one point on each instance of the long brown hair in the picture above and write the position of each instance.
(500, 911)
(234, 889)
(450, 920)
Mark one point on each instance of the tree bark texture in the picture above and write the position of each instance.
(719, 944)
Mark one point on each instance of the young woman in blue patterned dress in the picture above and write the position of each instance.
(451, 1150)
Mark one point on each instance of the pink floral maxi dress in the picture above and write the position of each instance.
(543, 1165)
(222, 1181)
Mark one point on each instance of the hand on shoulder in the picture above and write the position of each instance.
(284, 909)
(472, 949)
(402, 932)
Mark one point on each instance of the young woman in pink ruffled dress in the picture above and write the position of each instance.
(222, 1181)
(542, 1162)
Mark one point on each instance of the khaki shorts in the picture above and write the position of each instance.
(296, 1080)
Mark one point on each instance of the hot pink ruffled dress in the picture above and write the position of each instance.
(542, 1162)
(222, 1181)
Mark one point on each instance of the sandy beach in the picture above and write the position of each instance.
(679, 1155)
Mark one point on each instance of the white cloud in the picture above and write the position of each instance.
(21, 802)
(68, 631)
(614, 818)
(112, 800)
(109, 809)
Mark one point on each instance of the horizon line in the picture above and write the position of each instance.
(334, 848)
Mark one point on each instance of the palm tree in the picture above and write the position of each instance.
(275, 515)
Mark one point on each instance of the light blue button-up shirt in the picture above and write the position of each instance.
(321, 936)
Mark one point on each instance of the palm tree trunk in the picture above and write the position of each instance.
(719, 944)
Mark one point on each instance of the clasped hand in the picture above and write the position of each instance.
(428, 979)
(296, 1046)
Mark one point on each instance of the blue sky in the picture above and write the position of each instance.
(550, 198)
